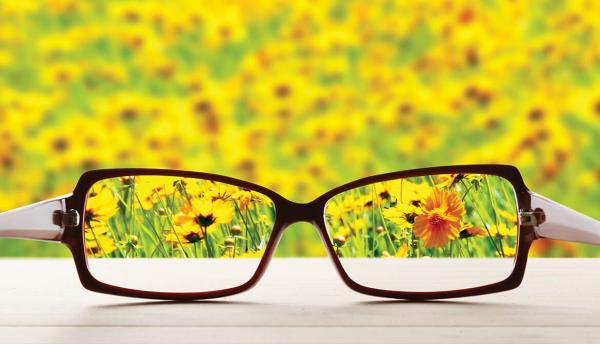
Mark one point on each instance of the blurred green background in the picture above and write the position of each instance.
(299, 96)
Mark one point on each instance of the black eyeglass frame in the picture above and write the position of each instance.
(59, 220)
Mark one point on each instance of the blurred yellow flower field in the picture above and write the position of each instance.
(298, 96)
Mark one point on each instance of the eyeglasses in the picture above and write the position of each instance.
(422, 234)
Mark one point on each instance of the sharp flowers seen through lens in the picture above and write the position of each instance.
(155, 217)
(454, 216)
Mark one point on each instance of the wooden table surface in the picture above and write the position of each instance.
(299, 301)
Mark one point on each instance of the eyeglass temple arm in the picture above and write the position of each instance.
(559, 222)
(44, 220)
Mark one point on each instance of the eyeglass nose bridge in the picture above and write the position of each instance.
(312, 213)
(292, 212)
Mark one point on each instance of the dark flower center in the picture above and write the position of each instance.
(459, 177)
(129, 114)
(536, 114)
(404, 110)
(60, 144)
(127, 180)
(193, 238)
(203, 107)
(225, 32)
(384, 194)
(89, 215)
(205, 221)
(283, 91)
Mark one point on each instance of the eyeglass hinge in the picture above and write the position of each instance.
(69, 218)
(533, 217)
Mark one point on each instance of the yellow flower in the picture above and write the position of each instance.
(99, 246)
(198, 219)
(402, 251)
(60, 73)
(503, 231)
(357, 225)
(509, 216)
(247, 197)
(209, 189)
(151, 189)
(100, 205)
(449, 180)
(441, 221)
(208, 212)
(403, 215)
(252, 254)
(344, 204)
(406, 192)
(349, 204)
(352, 228)
(341, 233)
(97, 243)
(96, 229)
(508, 251)
(225, 28)
(184, 235)
(334, 212)
(468, 230)
(220, 191)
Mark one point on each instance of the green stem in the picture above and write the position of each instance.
(209, 248)
(483, 222)
(493, 201)
(185, 253)
(158, 237)
(255, 241)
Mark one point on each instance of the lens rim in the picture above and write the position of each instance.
(288, 212)
(526, 234)
(163, 180)
(74, 237)
(331, 239)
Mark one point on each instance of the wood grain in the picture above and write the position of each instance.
(300, 301)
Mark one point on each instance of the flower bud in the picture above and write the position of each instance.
(339, 240)
(236, 230)
(229, 242)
